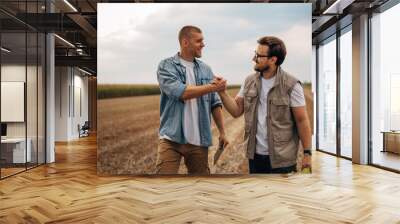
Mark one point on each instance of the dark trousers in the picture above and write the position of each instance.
(262, 164)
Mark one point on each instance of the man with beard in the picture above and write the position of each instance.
(274, 110)
(188, 98)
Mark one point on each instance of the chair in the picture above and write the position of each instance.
(84, 130)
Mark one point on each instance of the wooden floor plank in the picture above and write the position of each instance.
(70, 191)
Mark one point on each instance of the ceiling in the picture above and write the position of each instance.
(76, 22)
(76, 29)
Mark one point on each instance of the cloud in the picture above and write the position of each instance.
(133, 38)
(299, 50)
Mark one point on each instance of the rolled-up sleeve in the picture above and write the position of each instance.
(168, 80)
(215, 100)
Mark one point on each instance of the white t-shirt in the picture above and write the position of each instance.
(191, 129)
(296, 100)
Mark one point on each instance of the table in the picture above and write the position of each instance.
(13, 150)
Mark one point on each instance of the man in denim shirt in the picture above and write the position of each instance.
(188, 98)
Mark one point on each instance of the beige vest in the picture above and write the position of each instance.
(283, 140)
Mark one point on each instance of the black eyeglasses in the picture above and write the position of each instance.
(256, 55)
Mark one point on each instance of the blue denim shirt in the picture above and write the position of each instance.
(171, 75)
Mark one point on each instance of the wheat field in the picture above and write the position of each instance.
(128, 137)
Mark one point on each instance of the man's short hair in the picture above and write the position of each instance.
(276, 47)
(185, 32)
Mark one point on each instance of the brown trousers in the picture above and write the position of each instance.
(170, 155)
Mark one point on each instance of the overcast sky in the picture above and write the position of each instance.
(134, 38)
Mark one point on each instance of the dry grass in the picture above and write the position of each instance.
(128, 137)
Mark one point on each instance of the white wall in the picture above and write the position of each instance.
(16, 73)
(13, 101)
(70, 83)
(33, 127)
(11, 73)
(62, 82)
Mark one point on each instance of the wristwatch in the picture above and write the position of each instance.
(307, 151)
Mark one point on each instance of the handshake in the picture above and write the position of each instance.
(218, 84)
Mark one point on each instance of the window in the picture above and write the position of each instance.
(327, 96)
(22, 76)
(385, 88)
(346, 93)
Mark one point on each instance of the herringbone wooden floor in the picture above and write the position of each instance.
(70, 191)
